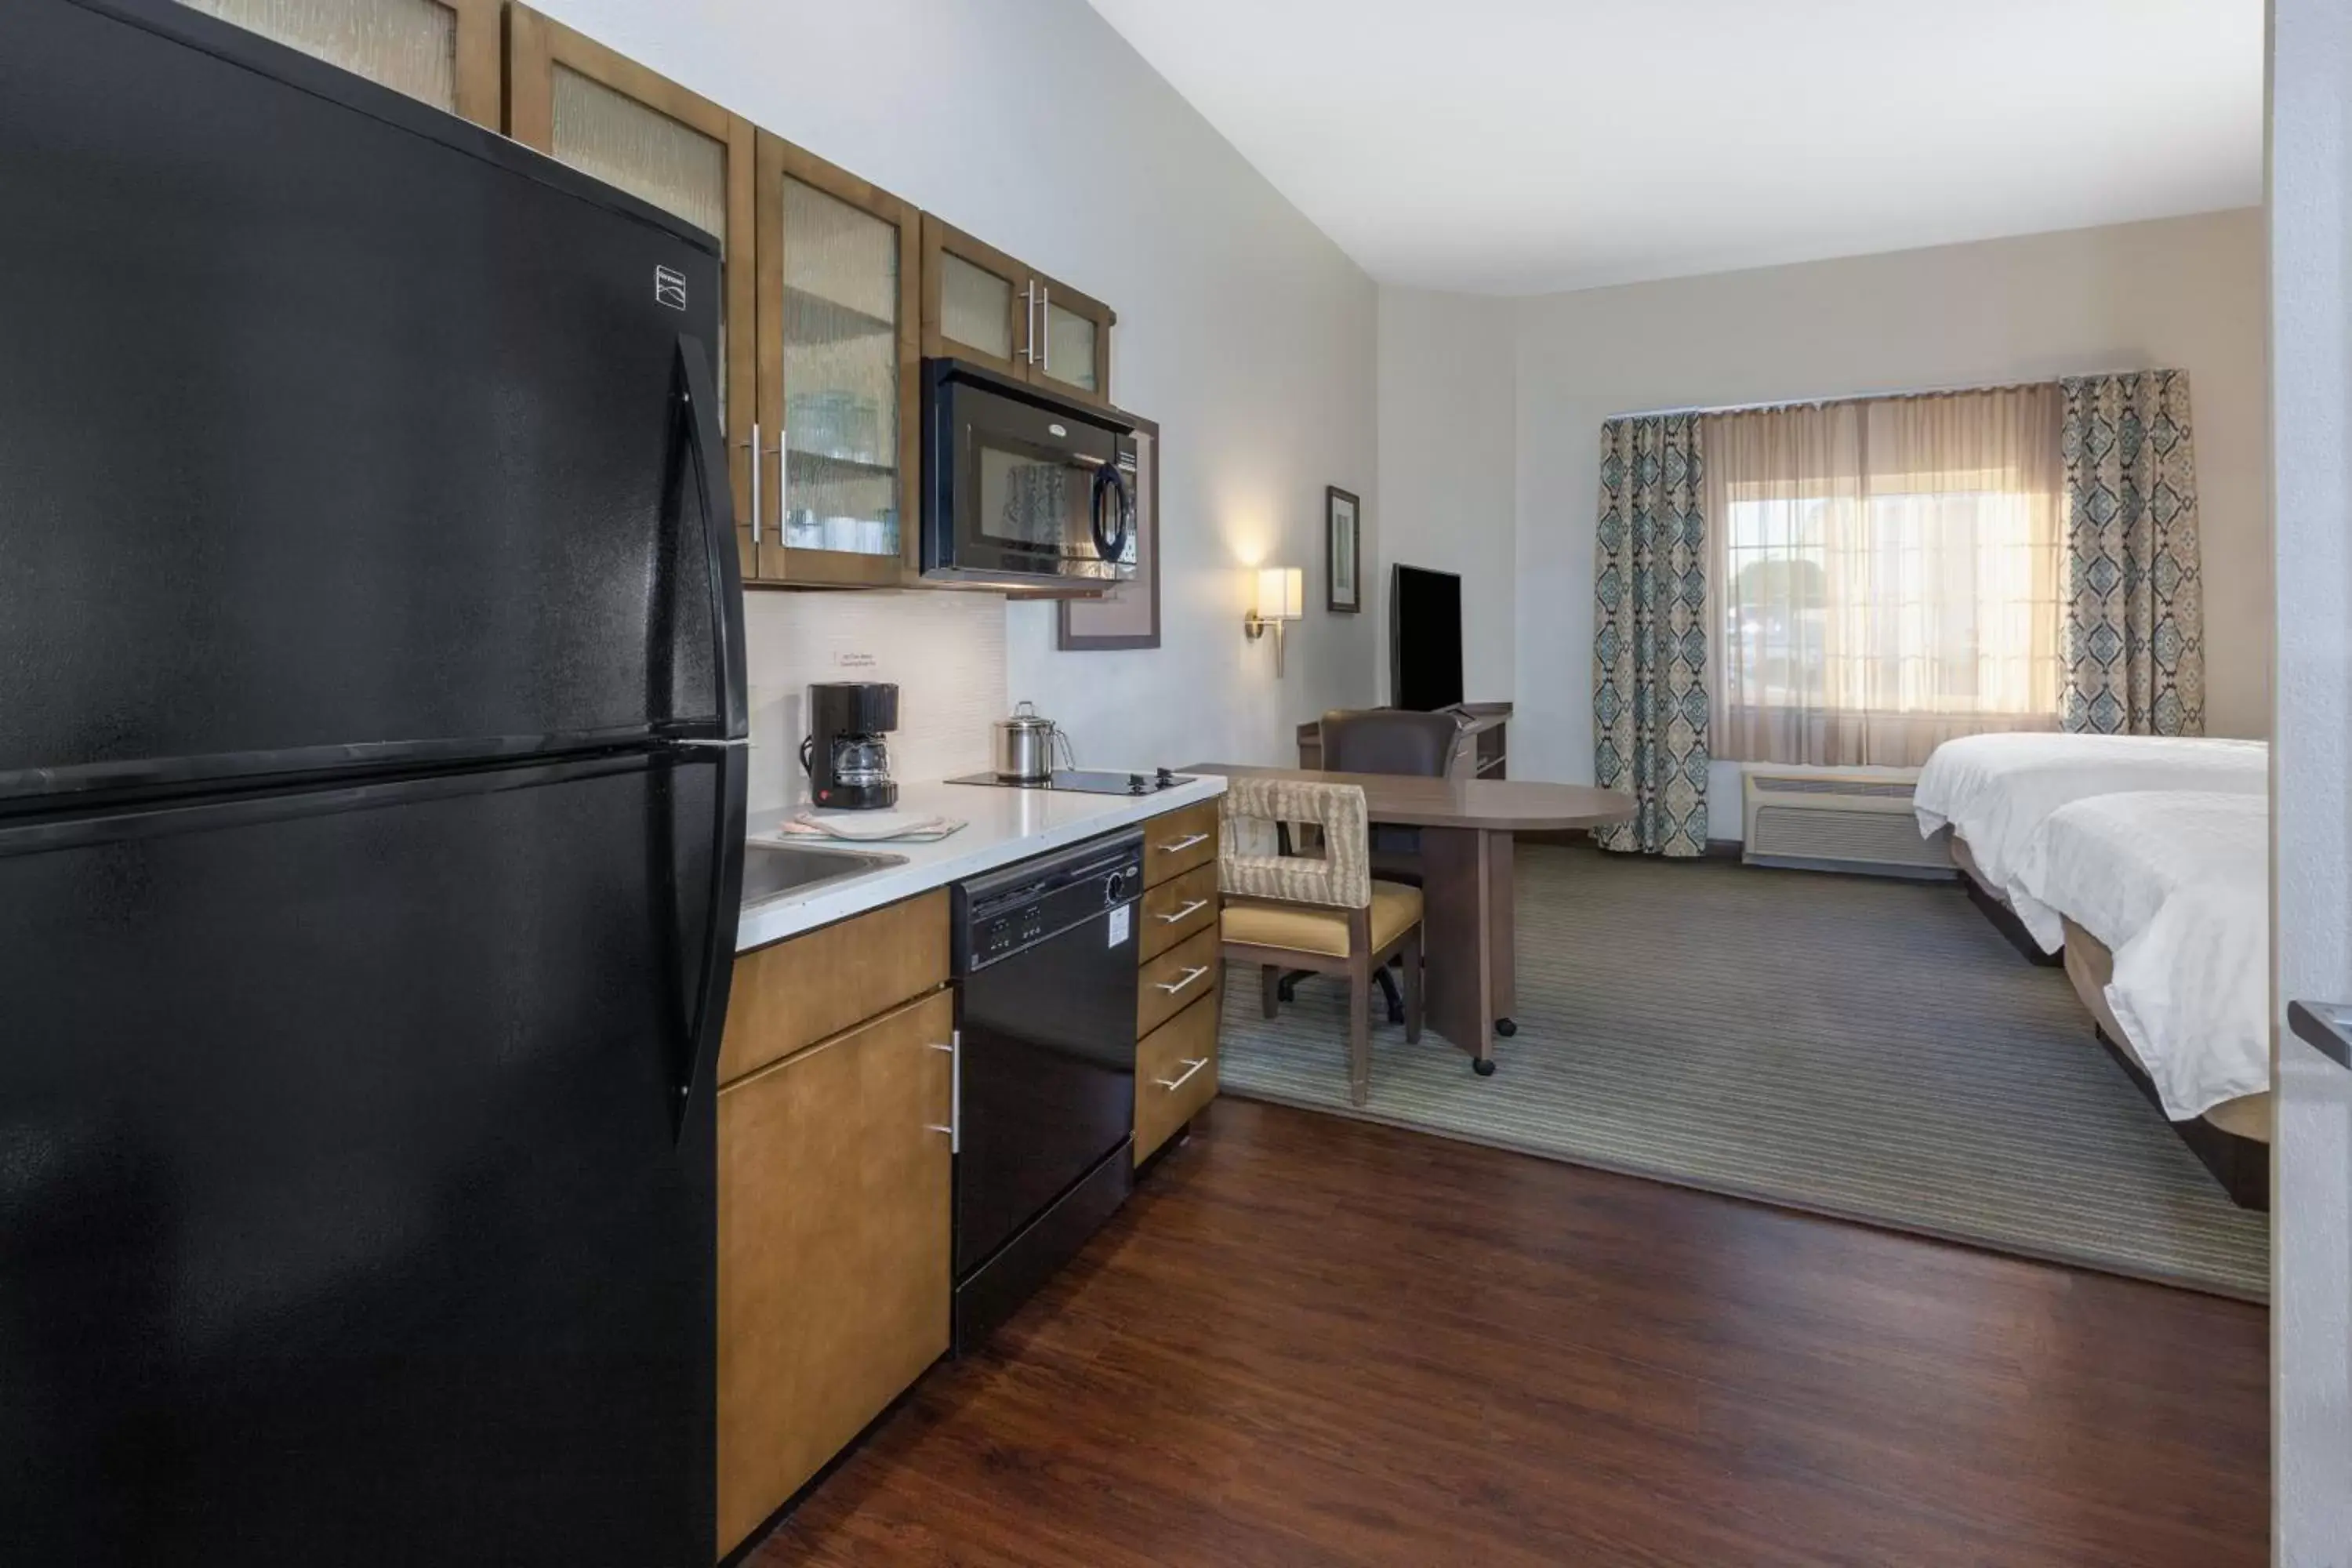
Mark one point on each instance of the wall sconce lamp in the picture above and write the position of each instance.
(1281, 596)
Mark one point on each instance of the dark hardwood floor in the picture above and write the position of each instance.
(1312, 1340)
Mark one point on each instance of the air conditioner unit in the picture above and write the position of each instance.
(1825, 819)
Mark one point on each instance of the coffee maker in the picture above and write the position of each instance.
(848, 763)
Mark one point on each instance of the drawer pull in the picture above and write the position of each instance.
(1188, 909)
(1173, 986)
(1183, 843)
(1190, 1066)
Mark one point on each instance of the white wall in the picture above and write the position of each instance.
(2185, 292)
(1242, 330)
(1449, 468)
(946, 653)
(2311, 821)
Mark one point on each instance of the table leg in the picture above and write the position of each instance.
(1457, 910)
(1502, 930)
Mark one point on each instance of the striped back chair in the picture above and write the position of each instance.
(1322, 913)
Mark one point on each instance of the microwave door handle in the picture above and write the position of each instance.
(1109, 483)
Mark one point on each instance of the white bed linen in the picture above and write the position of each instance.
(2178, 886)
(1996, 791)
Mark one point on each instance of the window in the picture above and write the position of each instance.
(1885, 575)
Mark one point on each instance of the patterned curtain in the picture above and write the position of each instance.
(2134, 614)
(1649, 641)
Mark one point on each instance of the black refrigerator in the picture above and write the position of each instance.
(371, 824)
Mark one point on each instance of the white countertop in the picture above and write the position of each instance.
(1002, 826)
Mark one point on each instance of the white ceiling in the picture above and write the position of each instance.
(1519, 146)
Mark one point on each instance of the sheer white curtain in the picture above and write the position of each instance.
(1885, 573)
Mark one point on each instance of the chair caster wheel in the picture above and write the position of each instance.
(1481, 1067)
(1505, 1027)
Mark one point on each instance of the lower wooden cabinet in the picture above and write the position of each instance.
(1179, 989)
(1175, 1074)
(834, 1173)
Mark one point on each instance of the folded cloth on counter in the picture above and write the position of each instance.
(1996, 791)
(2178, 886)
(865, 826)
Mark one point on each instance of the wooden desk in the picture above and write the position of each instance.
(1467, 896)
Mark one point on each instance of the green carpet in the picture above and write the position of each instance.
(1857, 1046)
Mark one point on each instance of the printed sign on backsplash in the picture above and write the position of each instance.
(944, 651)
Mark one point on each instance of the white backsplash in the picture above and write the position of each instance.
(944, 650)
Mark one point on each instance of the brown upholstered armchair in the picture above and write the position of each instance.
(1324, 914)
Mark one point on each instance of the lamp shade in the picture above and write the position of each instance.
(1281, 593)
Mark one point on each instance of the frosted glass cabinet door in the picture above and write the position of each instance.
(838, 372)
(600, 112)
(973, 299)
(1074, 349)
(1070, 339)
(441, 52)
(975, 306)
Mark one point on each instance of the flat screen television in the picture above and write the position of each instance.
(1424, 638)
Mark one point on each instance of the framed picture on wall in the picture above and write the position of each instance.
(1343, 552)
(1127, 615)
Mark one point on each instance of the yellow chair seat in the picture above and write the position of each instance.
(1318, 928)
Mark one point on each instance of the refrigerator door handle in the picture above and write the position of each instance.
(696, 392)
(713, 977)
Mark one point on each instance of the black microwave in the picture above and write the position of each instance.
(1021, 487)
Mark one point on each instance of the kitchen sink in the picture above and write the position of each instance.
(773, 870)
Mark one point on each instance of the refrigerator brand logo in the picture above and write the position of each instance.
(670, 288)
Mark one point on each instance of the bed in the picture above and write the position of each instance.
(1994, 792)
(2163, 902)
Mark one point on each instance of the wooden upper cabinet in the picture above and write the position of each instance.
(973, 300)
(840, 377)
(600, 112)
(981, 305)
(1073, 347)
(442, 52)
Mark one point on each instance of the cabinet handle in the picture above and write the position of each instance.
(1046, 324)
(954, 1128)
(754, 444)
(1190, 1066)
(1187, 909)
(1183, 843)
(1171, 987)
(1029, 321)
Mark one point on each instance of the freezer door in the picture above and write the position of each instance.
(357, 1172)
(331, 429)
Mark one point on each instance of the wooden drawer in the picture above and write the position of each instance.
(1177, 908)
(1174, 844)
(1175, 1073)
(1175, 980)
(795, 993)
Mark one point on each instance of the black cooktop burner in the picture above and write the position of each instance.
(1087, 781)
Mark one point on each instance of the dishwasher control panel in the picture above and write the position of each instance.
(1007, 911)
(1005, 934)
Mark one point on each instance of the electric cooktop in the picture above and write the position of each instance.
(1087, 781)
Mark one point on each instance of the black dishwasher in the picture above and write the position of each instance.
(1046, 980)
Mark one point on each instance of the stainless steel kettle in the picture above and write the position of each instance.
(1028, 744)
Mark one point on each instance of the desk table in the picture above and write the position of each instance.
(1466, 896)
